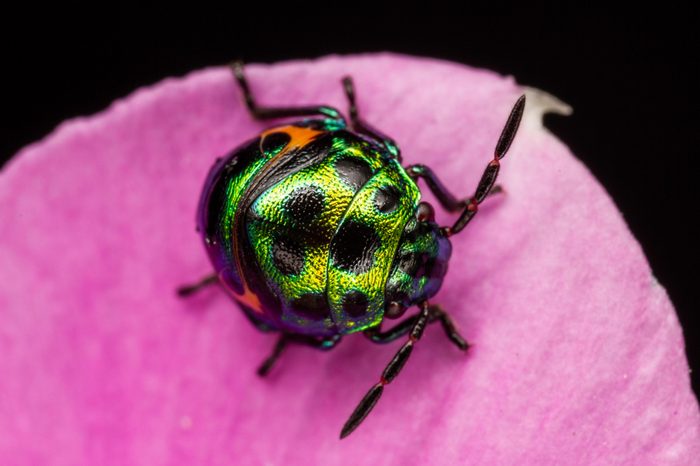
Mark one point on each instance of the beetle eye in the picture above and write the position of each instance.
(425, 212)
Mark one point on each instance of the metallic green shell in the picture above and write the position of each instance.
(324, 235)
(388, 226)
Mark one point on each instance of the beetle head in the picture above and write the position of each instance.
(420, 263)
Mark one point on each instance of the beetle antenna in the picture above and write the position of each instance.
(390, 372)
(491, 172)
(511, 127)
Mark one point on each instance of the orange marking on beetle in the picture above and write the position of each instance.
(299, 137)
(248, 298)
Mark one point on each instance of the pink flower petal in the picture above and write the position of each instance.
(577, 358)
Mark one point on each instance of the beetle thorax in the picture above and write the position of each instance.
(420, 264)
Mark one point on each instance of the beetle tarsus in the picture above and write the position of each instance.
(448, 325)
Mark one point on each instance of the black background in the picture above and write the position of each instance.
(629, 82)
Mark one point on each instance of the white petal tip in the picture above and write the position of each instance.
(540, 103)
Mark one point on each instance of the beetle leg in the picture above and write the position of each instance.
(395, 332)
(323, 344)
(361, 126)
(263, 113)
(491, 172)
(435, 312)
(187, 290)
(438, 313)
(272, 358)
(446, 199)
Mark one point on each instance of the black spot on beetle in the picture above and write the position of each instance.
(355, 303)
(386, 199)
(313, 306)
(275, 142)
(354, 172)
(354, 246)
(288, 256)
(305, 204)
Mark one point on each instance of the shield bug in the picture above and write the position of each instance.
(317, 231)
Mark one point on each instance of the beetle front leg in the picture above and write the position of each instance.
(438, 313)
(447, 200)
(394, 333)
(435, 313)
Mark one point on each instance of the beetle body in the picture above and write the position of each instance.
(317, 231)
(312, 229)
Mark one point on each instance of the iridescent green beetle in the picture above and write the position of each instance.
(317, 231)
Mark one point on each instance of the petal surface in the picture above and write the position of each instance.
(577, 356)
